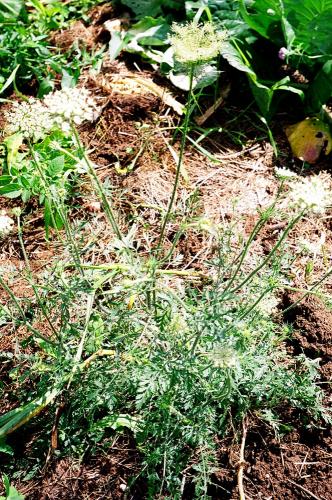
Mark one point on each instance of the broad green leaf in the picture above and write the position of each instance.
(39, 7)
(116, 422)
(320, 90)
(263, 92)
(14, 419)
(11, 492)
(5, 179)
(142, 8)
(45, 87)
(235, 58)
(311, 20)
(11, 190)
(68, 80)
(56, 166)
(5, 448)
(118, 42)
(10, 10)
(150, 31)
(13, 144)
(263, 16)
(305, 24)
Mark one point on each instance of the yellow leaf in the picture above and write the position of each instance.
(309, 139)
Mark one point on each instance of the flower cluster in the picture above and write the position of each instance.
(34, 119)
(312, 194)
(70, 105)
(268, 305)
(224, 357)
(195, 43)
(6, 225)
(31, 118)
(284, 173)
(283, 53)
(312, 248)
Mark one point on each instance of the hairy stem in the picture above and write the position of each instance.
(180, 160)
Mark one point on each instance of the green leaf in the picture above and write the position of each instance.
(56, 166)
(5, 448)
(306, 25)
(68, 80)
(5, 179)
(320, 90)
(115, 422)
(14, 419)
(11, 492)
(9, 80)
(45, 87)
(263, 16)
(13, 144)
(148, 31)
(10, 10)
(236, 58)
(39, 7)
(263, 92)
(11, 190)
(142, 8)
(117, 43)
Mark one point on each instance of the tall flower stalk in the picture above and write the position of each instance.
(193, 45)
(180, 160)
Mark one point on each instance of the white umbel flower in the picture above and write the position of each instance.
(311, 193)
(224, 357)
(195, 43)
(6, 225)
(284, 173)
(68, 106)
(31, 118)
(268, 305)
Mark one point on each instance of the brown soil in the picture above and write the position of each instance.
(106, 476)
(84, 35)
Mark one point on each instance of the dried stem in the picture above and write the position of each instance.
(242, 461)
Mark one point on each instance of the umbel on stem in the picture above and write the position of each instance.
(193, 45)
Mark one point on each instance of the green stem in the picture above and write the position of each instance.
(310, 291)
(22, 313)
(107, 207)
(75, 251)
(34, 288)
(269, 257)
(179, 165)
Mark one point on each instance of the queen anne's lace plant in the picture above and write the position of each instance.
(195, 43)
(31, 118)
(70, 105)
(6, 225)
(312, 194)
